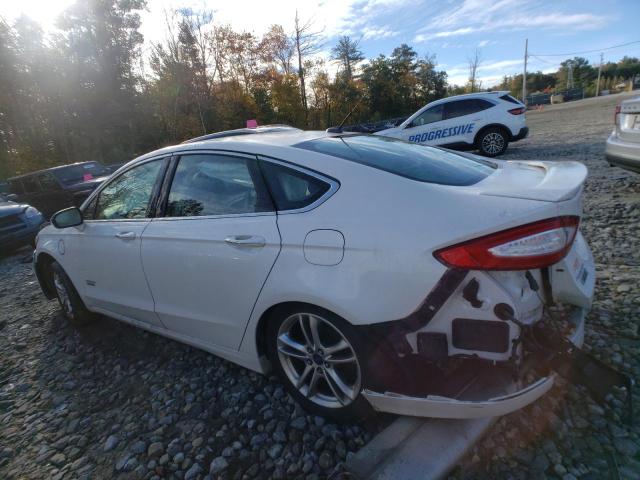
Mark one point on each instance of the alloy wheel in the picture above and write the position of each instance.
(493, 143)
(318, 360)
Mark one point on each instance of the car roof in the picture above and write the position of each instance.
(51, 169)
(249, 142)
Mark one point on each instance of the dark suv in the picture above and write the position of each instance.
(58, 187)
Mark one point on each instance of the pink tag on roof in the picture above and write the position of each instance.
(252, 124)
(86, 177)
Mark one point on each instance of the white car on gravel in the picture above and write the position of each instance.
(368, 272)
(623, 145)
(485, 121)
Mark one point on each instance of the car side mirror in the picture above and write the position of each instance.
(409, 125)
(12, 197)
(69, 217)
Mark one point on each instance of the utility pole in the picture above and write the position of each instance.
(524, 73)
(599, 71)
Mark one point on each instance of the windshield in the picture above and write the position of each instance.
(82, 172)
(410, 160)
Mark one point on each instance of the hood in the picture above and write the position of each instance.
(11, 208)
(88, 185)
(534, 180)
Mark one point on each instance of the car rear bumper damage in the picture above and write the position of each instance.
(622, 154)
(494, 392)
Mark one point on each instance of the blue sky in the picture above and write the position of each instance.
(450, 29)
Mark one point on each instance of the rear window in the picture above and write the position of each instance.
(83, 172)
(409, 160)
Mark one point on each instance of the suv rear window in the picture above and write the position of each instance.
(71, 174)
(409, 160)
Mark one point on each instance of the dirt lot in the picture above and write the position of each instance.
(111, 400)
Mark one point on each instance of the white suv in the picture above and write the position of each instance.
(485, 121)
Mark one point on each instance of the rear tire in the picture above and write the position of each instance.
(319, 358)
(70, 302)
(492, 142)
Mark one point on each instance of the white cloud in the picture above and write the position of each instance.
(474, 16)
(377, 33)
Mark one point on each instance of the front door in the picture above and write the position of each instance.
(112, 279)
(207, 259)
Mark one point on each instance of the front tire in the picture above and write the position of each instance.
(70, 302)
(492, 142)
(319, 358)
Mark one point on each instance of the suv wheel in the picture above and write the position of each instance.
(70, 302)
(492, 142)
(317, 356)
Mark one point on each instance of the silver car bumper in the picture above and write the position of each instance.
(506, 398)
(623, 154)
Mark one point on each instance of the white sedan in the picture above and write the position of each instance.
(370, 273)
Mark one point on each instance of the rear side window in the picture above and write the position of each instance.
(209, 184)
(510, 99)
(468, 106)
(409, 160)
(292, 189)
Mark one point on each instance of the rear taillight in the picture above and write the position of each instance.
(530, 246)
(518, 111)
(616, 116)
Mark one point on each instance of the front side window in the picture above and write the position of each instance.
(433, 114)
(129, 194)
(15, 187)
(292, 189)
(212, 184)
(30, 184)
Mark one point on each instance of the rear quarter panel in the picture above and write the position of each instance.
(391, 226)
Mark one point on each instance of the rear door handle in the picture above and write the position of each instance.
(126, 235)
(246, 240)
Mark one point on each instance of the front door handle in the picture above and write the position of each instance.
(126, 235)
(246, 240)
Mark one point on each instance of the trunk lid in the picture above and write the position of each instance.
(535, 180)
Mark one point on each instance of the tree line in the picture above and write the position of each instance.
(585, 77)
(94, 90)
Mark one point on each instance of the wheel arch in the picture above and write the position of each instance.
(270, 313)
(493, 125)
(42, 264)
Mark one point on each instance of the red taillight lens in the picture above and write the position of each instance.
(616, 115)
(517, 111)
(534, 245)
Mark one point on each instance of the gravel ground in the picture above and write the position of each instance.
(110, 400)
(566, 434)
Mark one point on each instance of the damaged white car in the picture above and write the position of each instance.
(370, 273)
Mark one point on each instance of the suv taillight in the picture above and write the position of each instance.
(616, 116)
(517, 111)
(534, 245)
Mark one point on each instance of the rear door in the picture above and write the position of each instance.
(208, 256)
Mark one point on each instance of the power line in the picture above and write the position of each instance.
(584, 51)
